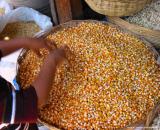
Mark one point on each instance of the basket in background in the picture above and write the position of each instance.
(117, 7)
(151, 116)
(152, 36)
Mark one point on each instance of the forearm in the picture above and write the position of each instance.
(44, 80)
(8, 47)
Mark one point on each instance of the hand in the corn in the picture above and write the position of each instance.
(34, 44)
(43, 83)
(58, 55)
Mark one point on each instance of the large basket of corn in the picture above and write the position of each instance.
(117, 7)
(111, 79)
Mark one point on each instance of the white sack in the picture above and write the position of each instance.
(26, 14)
(6, 6)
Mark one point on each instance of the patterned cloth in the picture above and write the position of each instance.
(18, 108)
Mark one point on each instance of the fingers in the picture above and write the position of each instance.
(54, 44)
(39, 43)
(50, 45)
(62, 51)
(66, 50)
(38, 53)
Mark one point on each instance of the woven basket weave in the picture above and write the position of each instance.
(151, 116)
(75, 23)
(117, 7)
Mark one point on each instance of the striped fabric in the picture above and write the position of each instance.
(18, 107)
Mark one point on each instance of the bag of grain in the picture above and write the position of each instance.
(4, 7)
(21, 16)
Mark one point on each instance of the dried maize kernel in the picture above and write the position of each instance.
(112, 79)
(19, 29)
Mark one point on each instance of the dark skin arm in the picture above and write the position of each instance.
(8, 47)
(43, 85)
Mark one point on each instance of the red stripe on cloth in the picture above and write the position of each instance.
(26, 109)
(1, 111)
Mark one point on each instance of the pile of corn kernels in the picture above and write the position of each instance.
(111, 81)
(19, 29)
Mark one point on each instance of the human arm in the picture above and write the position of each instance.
(11, 46)
(43, 85)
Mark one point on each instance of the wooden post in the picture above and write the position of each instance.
(77, 9)
(53, 11)
(63, 8)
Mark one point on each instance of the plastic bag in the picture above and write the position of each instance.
(35, 4)
(7, 7)
(27, 14)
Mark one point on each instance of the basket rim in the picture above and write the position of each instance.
(136, 25)
(152, 115)
(73, 23)
(117, 7)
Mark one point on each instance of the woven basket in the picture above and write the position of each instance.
(151, 116)
(117, 7)
(75, 23)
(152, 36)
